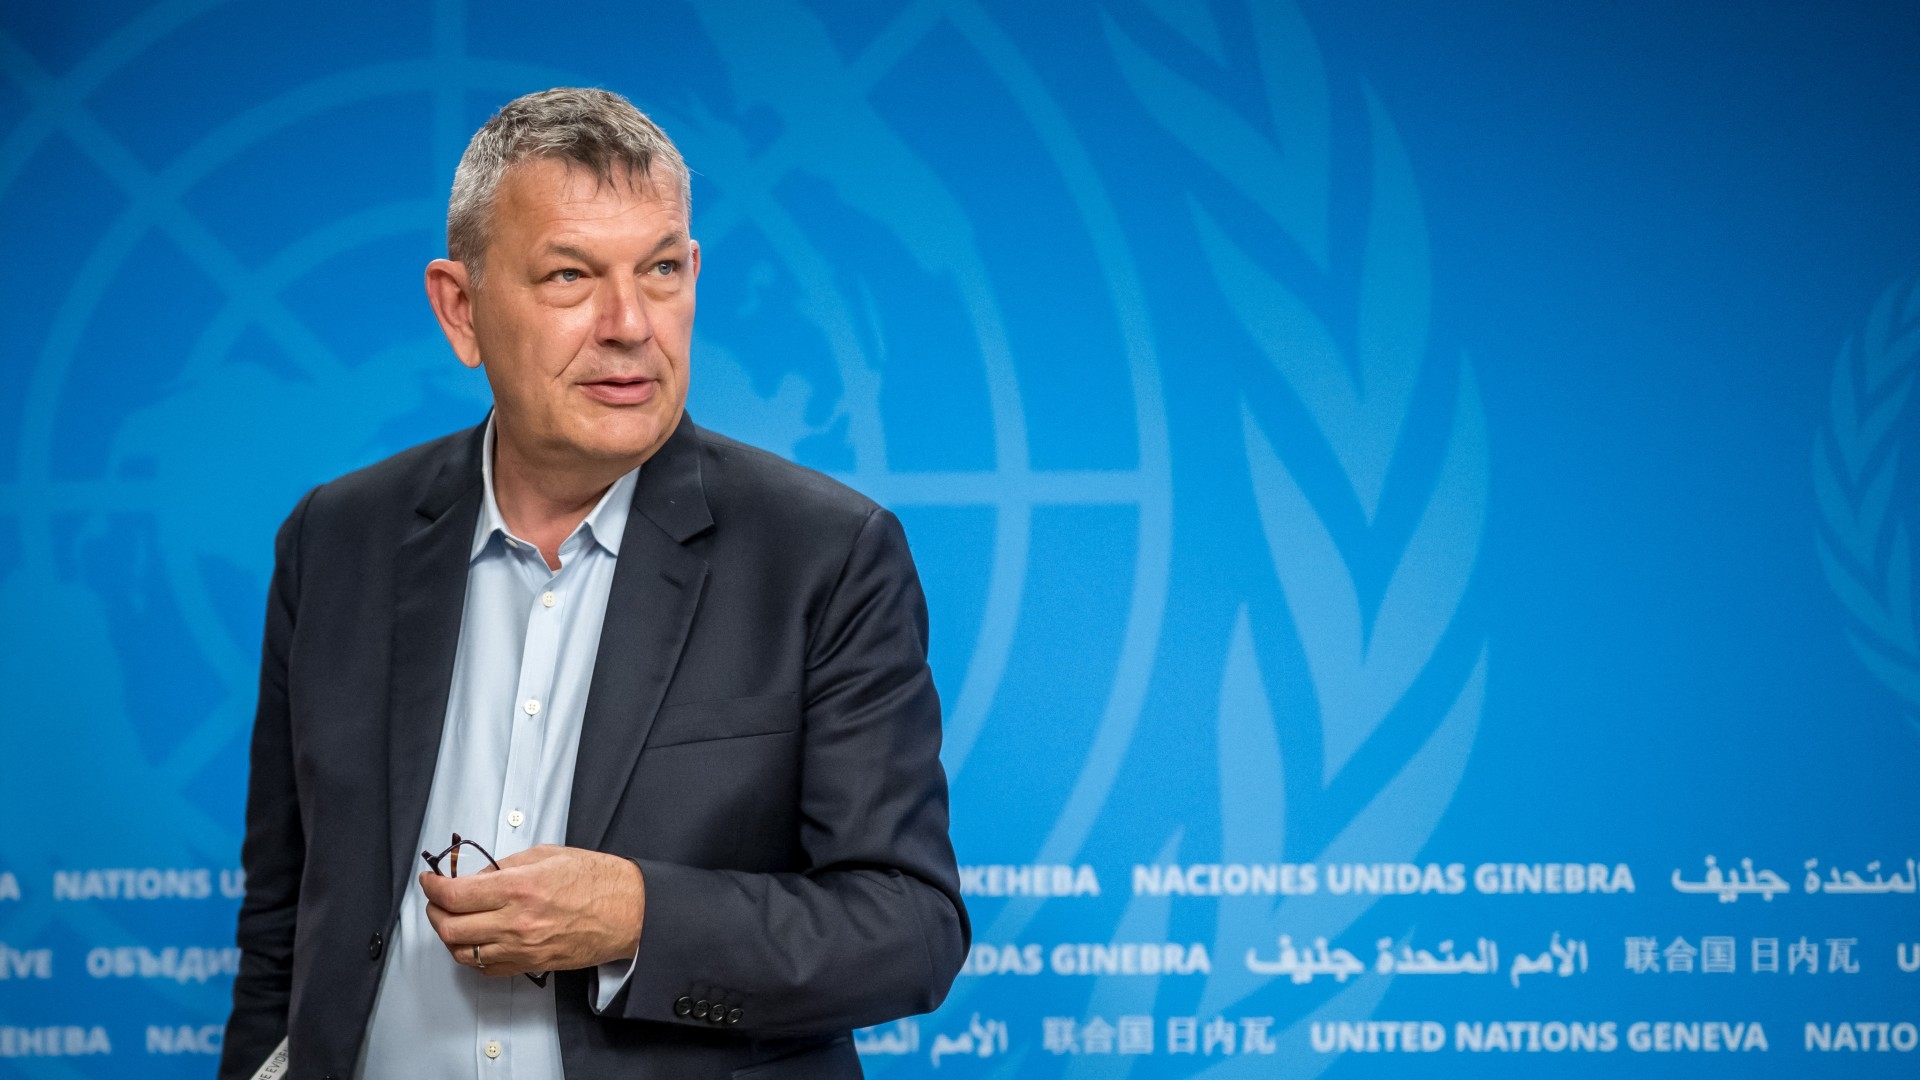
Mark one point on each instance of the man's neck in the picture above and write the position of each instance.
(543, 501)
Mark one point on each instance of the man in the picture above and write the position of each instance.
(676, 686)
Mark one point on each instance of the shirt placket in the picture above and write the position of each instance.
(518, 828)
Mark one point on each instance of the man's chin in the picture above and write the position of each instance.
(628, 435)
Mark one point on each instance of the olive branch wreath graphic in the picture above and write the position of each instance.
(1864, 544)
(1363, 655)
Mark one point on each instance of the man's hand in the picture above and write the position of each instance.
(548, 909)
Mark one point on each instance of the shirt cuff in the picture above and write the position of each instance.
(610, 978)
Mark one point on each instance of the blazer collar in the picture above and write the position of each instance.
(430, 590)
(458, 472)
(657, 585)
(671, 493)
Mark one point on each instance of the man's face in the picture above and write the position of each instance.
(585, 314)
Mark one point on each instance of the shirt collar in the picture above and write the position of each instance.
(605, 524)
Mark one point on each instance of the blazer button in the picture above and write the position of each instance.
(734, 1014)
(374, 945)
(719, 1013)
(682, 1005)
(700, 1009)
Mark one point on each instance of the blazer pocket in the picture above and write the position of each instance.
(727, 718)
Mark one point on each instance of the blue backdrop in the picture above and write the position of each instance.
(1411, 496)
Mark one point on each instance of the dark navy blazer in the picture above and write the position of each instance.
(762, 736)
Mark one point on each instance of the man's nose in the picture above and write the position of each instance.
(623, 312)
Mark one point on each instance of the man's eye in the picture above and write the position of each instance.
(665, 267)
(568, 276)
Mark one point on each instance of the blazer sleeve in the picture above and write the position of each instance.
(874, 929)
(274, 849)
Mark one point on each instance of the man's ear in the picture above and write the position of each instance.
(450, 291)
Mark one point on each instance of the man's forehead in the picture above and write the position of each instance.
(557, 186)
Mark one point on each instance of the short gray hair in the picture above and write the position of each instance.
(597, 130)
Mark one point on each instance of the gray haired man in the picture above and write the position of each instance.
(653, 704)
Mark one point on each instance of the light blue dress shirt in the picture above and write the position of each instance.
(504, 777)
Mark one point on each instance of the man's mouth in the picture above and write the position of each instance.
(621, 390)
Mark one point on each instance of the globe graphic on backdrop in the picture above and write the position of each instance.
(302, 358)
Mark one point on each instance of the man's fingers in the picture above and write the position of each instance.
(459, 930)
(462, 934)
(496, 957)
(506, 969)
(479, 892)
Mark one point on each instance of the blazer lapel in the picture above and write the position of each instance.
(430, 577)
(657, 584)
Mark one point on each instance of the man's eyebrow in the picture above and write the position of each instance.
(671, 240)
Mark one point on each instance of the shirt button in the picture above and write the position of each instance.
(549, 599)
(493, 1049)
(516, 818)
(532, 707)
